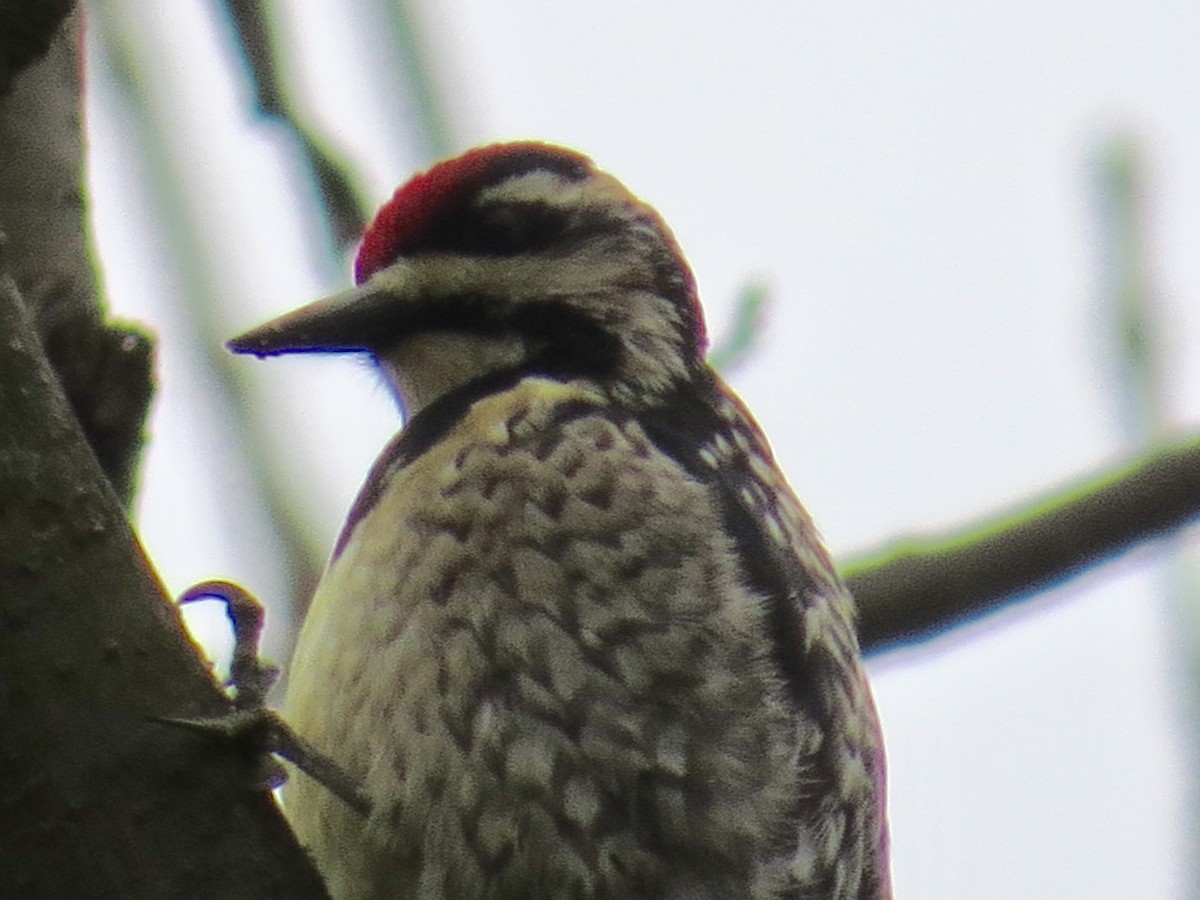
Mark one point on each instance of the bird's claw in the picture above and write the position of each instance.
(250, 677)
(250, 722)
(256, 729)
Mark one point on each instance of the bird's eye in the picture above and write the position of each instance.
(508, 230)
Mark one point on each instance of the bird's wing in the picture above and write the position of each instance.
(811, 629)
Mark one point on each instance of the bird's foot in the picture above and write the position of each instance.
(249, 722)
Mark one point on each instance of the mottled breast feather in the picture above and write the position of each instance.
(606, 630)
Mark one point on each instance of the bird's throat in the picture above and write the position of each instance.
(421, 368)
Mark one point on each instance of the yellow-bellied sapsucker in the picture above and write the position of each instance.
(577, 638)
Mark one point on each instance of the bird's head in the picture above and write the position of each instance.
(517, 257)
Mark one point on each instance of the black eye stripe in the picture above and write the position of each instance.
(497, 229)
(509, 229)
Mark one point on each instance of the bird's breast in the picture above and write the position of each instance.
(539, 635)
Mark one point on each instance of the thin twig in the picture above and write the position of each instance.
(344, 210)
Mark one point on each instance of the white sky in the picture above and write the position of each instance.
(917, 184)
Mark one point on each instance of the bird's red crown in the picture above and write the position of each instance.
(402, 218)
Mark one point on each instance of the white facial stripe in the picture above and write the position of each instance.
(591, 271)
(541, 186)
(598, 190)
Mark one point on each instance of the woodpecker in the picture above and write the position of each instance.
(577, 638)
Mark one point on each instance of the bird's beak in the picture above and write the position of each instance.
(341, 323)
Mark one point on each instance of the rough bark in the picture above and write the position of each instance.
(97, 799)
(103, 366)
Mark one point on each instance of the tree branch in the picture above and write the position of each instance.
(96, 800)
(917, 590)
(26, 31)
(104, 367)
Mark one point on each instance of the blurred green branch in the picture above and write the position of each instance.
(736, 345)
(918, 589)
(432, 125)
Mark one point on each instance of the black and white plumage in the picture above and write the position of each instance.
(577, 637)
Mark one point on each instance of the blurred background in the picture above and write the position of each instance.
(977, 226)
